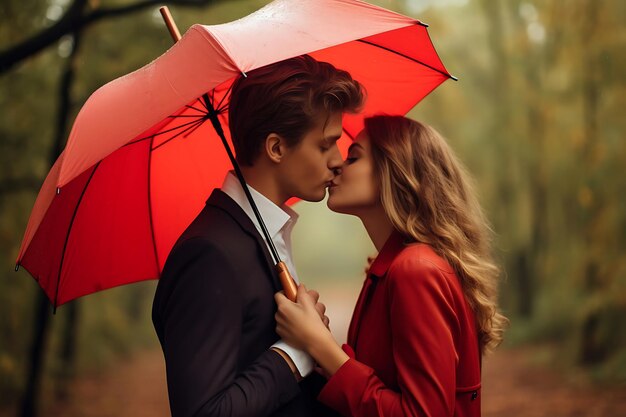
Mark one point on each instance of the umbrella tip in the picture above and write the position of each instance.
(17, 267)
(454, 78)
(58, 190)
(422, 24)
(244, 74)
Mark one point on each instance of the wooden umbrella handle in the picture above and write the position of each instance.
(169, 22)
(286, 280)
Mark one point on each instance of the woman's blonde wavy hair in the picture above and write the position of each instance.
(427, 195)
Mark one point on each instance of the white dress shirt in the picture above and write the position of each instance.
(279, 222)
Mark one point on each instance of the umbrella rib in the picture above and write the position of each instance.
(407, 57)
(200, 110)
(219, 105)
(197, 123)
(168, 130)
(182, 116)
(137, 141)
(154, 244)
(181, 126)
(196, 109)
(69, 231)
(200, 116)
(193, 129)
(176, 127)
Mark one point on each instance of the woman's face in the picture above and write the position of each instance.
(355, 190)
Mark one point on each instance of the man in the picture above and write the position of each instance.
(214, 305)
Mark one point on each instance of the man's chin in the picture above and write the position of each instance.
(314, 197)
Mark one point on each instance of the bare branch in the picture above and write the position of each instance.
(75, 20)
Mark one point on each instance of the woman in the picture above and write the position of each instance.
(427, 311)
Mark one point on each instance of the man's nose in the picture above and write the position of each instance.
(335, 162)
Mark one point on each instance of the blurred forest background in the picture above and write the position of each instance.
(538, 116)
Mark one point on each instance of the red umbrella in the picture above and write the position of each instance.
(140, 160)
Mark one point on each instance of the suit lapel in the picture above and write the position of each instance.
(222, 201)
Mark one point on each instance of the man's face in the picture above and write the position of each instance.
(307, 169)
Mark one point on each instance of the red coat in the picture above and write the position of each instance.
(412, 341)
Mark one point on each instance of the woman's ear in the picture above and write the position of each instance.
(275, 147)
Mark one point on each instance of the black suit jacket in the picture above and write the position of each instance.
(213, 312)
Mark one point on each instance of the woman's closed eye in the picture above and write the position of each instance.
(355, 151)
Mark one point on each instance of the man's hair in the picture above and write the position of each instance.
(287, 98)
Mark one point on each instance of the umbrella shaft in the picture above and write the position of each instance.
(220, 132)
(173, 29)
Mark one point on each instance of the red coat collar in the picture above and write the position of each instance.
(392, 247)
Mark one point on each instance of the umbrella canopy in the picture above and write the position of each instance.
(140, 160)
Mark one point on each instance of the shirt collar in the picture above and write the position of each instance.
(275, 217)
(392, 247)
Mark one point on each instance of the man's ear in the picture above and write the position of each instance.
(275, 147)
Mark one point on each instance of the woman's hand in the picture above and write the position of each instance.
(304, 326)
(301, 324)
(321, 308)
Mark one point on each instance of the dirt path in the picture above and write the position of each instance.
(513, 387)
(513, 384)
(132, 388)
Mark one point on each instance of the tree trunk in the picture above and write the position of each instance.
(32, 394)
(592, 348)
(33, 383)
(68, 351)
